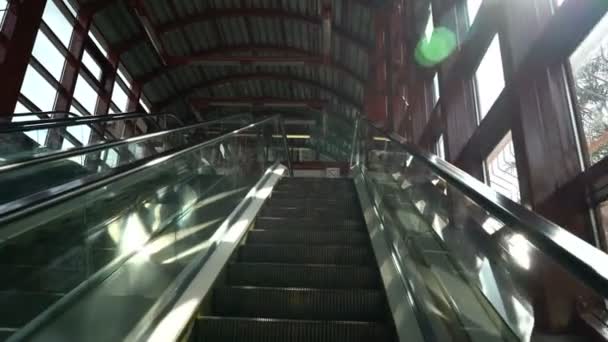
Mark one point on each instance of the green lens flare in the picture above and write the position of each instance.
(435, 50)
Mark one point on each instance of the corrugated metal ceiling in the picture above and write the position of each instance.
(191, 27)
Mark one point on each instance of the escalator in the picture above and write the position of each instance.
(215, 240)
(57, 248)
(38, 173)
(306, 272)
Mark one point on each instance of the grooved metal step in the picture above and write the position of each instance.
(274, 330)
(308, 304)
(311, 213)
(308, 276)
(287, 223)
(303, 254)
(335, 238)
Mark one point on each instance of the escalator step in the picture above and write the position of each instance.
(273, 330)
(308, 276)
(337, 238)
(293, 303)
(312, 213)
(303, 254)
(307, 224)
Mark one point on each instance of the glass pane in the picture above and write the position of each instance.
(98, 44)
(602, 210)
(440, 147)
(472, 9)
(91, 65)
(496, 279)
(58, 23)
(144, 106)
(150, 224)
(85, 94)
(436, 93)
(47, 54)
(3, 9)
(39, 136)
(71, 8)
(502, 169)
(120, 98)
(38, 90)
(66, 144)
(80, 132)
(590, 71)
(123, 76)
(75, 110)
(430, 27)
(490, 78)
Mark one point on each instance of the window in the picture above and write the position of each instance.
(82, 133)
(144, 106)
(440, 147)
(36, 89)
(39, 136)
(47, 54)
(436, 93)
(489, 78)
(85, 94)
(430, 26)
(473, 7)
(97, 43)
(91, 65)
(58, 23)
(559, 2)
(501, 169)
(3, 9)
(120, 97)
(590, 73)
(602, 211)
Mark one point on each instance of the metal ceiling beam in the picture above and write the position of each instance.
(214, 14)
(267, 102)
(223, 56)
(100, 5)
(185, 93)
(152, 34)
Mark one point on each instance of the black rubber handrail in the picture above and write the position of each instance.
(588, 263)
(104, 146)
(26, 206)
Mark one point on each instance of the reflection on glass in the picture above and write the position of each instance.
(85, 94)
(430, 26)
(490, 78)
(472, 10)
(58, 23)
(590, 71)
(38, 90)
(47, 54)
(502, 169)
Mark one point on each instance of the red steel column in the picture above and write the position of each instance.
(73, 61)
(19, 30)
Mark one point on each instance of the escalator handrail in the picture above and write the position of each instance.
(104, 146)
(588, 263)
(25, 206)
(66, 122)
